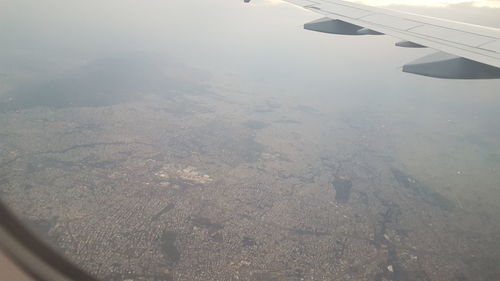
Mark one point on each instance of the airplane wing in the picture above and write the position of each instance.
(466, 51)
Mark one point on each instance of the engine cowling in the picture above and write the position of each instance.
(332, 26)
(408, 44)
(443, 65)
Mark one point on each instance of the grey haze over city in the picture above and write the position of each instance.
(219, 140)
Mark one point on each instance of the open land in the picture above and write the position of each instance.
(215, 183)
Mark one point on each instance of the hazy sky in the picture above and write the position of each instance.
(262, 42)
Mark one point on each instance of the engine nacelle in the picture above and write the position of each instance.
(443, 65)
(408, 44)
(328, 25)
(367, 31)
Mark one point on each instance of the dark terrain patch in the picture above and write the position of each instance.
(248, 241)
(390, 216)
(484, 268)
(266, 276)
(424, 192)
(102, 82)
(342, 189)
(287, 121)
(167, 243)
(310, 232)
(91, 145)
(162, 211)
(255, 124)
(4, 180)
(263, 110)
(217, 237)
(340, 248)
(183, 108)
(31, 168)
(8, 162)
(306, 109)
(475, 140)
(218, 143)
(131, 276)
(206, 223)
(41, 227)
(249, 149)
(493, 158)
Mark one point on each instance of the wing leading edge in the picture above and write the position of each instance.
(466, 51)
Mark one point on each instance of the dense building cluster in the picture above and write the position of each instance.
(198, 188)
